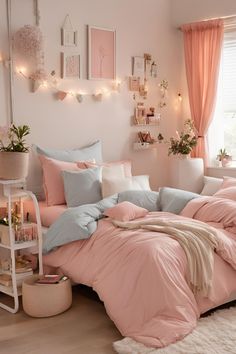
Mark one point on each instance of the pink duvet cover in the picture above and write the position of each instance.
(141, 277)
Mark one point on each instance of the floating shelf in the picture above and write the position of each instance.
(144, 146)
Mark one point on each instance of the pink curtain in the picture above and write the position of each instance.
(202, 46)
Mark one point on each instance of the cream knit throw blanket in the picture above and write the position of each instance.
(198, 241)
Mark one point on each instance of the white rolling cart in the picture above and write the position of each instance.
(13, 190)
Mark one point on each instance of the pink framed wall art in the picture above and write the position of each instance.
(101, 53)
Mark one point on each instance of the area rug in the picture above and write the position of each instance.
(215, 334)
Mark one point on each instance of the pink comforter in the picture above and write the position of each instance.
(141, 277)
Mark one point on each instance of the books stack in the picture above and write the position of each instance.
(5, 279)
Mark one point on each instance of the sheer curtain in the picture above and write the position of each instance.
(202, 47)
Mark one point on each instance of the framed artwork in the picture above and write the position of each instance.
(101, 53)
(70, 66)
(138, 67)
(68, 35)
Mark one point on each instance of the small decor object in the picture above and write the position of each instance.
(184, 143)
(70, 66)
(138, 67)
(14, 154)
(154, 70)
(134, 83)
(69, 37)
(145, 137)
(224, 158)
(61, 95)
(101, 50)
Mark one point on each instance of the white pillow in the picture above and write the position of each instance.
(116, 185)
(113, 171)
(142, 182)
(211, 185)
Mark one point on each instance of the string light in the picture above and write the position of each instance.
(61, 94)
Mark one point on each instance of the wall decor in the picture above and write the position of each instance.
(70, 66)
(69, 37)
(101, 53)
(138, 67)
(134, 83)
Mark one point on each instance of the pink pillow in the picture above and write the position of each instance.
(52, 179)
(227, 193)
(125, 211)
(125, 163)
(228, 182)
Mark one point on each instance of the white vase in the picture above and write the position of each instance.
(14, 165)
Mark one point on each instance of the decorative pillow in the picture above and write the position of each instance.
(125, 163)
(146, 199)
(113, 171)
(125, 211)
(211, 185)
(93, 151)
(174, 200)
(227, 193)
(52, 179)
(82, 187)
(115, 185)
(141, 182)
(228, 182)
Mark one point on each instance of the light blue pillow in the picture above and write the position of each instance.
(145, 199)
(174, 200)
(82, 187)
(93, 151)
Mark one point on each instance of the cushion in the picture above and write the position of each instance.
(52, 179)
(125, 211)
(146, 199)
(228, 182)
(82, 187)
(211, 185)
(125, 163)
(115, 185)
(112, 171)
(227, 193)
(141, 182)
(174, 200)
(93, 151)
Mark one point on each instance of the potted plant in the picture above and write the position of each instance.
(14, 153)
(224, 158)
(184, 142)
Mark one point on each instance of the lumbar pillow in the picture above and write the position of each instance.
(146, 199)
(52, 179)
(125, 211)
(211, 185)
(82, 187)
(174, 200)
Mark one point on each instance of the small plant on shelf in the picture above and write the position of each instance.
(224, 158)
(184, 143)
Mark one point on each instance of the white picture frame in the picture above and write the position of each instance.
(69, 38)
(70, 65)
(138, 67)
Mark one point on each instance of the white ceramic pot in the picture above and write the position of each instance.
(14, 165)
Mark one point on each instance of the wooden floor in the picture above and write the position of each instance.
(84, 329)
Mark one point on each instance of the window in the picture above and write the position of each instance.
(222, 132)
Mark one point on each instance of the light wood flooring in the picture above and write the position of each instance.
(84, 329)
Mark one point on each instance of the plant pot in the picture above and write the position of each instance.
(226, 161)
(14, 165)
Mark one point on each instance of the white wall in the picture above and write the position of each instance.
(185, 11)
(140, 27)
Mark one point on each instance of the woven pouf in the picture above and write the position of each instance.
(45, 300)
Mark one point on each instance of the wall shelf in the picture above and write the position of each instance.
(144, 146)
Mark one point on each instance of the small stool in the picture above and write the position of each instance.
(45, 300)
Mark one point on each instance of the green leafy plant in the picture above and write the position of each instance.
(223, 155)
(13, 139)
(184, 143)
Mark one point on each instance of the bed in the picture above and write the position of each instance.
(141, 276)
